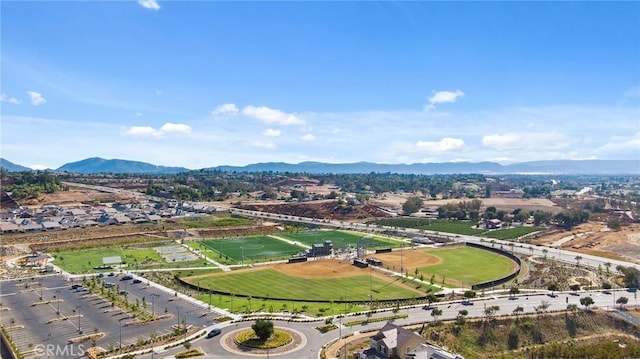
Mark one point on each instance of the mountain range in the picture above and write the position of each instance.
(101, 165)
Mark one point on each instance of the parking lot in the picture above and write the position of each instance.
(46, 312)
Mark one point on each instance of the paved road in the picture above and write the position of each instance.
(416, 315)
(88, 313)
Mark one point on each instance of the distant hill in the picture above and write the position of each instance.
(101, 165)
(569, 167)
(536, 167)
(12, 167)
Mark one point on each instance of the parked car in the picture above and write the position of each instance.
(127, 277)
(123, 292)
(213, 332)
(136, 281)
(109, 285)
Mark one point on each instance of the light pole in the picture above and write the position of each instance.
(178, 308)
(79, 316)
(153, 305)
(58, 299)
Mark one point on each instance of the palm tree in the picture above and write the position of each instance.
(544, 252)
(578, 258)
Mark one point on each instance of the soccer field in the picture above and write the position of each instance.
(252, 248)
(339, 239)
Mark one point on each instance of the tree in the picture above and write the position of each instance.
(631, 276)
(469, 294)
(553, 287)
(435, 313)
(263, 328)
(518, 310)
(412, 205)
(575, 287)
(622, 301)
(490, 311)
(513, 291)
(614, 224)
(586, 301)
(578, 259)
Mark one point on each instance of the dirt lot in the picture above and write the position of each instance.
(409, 258)
(597, 239)
(76, 197)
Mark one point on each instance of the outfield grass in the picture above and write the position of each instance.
(467, 265)
(84, 261)
(270, 283)
(250, 249)
(339, 239)
(511, 233)
(208, 222)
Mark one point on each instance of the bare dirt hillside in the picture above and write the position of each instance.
(597, 239)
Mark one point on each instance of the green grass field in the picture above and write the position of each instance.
(511, 233)
(438, 225)
(340, 239)
(270, 283)
(84, 261)
(242, 304)
(260, 248)
(467, 265)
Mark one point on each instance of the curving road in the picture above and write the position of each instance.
(529, 303)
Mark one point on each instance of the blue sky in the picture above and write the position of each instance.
(206, 83)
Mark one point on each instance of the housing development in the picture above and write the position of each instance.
(318, 266)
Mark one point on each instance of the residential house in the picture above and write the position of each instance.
(391, 342)
(8, 227)
(394, 342)
(429, 351)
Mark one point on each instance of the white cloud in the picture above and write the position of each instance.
(142, 131)
(269, 145)
(446, 144)
(620, 144)
(308, 137)
(271, 132)
(225, 109)
(178, 128)
(526, 141)
(9, 99)
(139, 114)
(166, 129)
(271, 116)
(36, 98)
(149, 4)
(442, 97)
